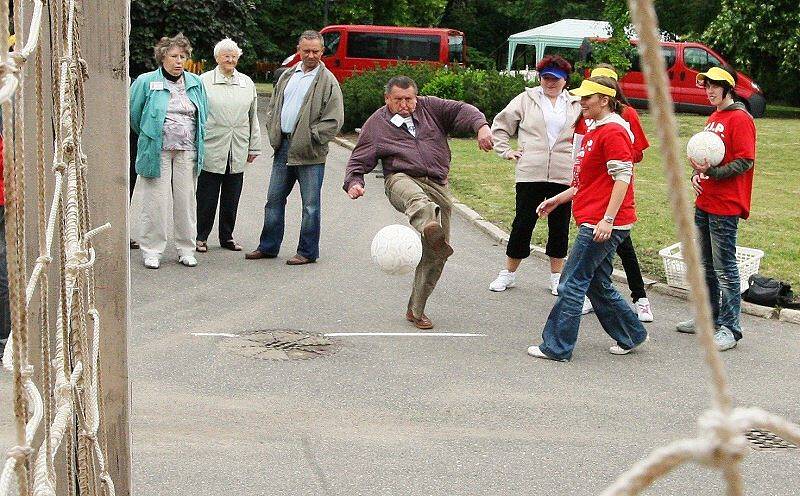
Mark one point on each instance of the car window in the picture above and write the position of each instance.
(331, 42)
(667, 52)
(699, 59)
(393, 46)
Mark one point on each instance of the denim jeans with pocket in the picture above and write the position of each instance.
(717, 242)
(587, 272)
(281, 183)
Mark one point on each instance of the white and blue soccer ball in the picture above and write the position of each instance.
(396, 249)
(706, 146)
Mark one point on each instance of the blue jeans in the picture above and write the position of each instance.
(281, 183)
(717, 240)
(587, 272)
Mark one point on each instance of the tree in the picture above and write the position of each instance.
(762, 39)
(487, 24)
(617, 50)
(686, 18)
(204, 23)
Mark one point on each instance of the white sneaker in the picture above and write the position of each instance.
(534, 351)
(618, 350)
(152, 262)
(724, 339)
(554, 278)
(643, 310)
(505, 280)
(188, 260)
(587, 306)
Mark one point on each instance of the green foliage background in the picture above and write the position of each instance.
(764, 40)
(488, 90)
(761, 39)
(204, 23)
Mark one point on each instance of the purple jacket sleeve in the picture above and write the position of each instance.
(363, 159)
(455, 116)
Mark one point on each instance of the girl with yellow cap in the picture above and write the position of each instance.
(723, 197)
(604, 210)
(626, 251)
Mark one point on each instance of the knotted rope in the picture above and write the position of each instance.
(720, 442)
(70, 373)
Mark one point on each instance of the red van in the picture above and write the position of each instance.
(353, 48)
(684, 60)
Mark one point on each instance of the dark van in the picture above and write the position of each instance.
(684, 60)
(352, 48)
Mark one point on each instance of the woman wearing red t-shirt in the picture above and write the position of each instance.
(603, 207)
(625, 250)
(723, 197)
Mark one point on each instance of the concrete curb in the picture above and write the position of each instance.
(500, 236)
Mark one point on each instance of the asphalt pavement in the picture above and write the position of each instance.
(412, 415)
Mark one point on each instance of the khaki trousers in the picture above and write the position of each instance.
(423, 201)
(176, 185)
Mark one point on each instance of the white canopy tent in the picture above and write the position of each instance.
(566, 33)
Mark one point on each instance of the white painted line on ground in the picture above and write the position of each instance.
(216, 334)
(426, 334)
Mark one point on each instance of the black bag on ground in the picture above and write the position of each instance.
(768, 292)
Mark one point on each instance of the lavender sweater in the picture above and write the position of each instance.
(426, 155)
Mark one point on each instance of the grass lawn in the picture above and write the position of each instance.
(486, 183)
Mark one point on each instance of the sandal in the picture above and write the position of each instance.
(201, 246)
(231, 245)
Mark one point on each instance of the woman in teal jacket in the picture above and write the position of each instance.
(168, 112)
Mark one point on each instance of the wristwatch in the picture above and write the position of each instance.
(609, 219)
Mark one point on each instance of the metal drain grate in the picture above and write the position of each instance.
(281, 344)
(767, 441)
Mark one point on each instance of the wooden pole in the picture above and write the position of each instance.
(104, 46)
(104, 30)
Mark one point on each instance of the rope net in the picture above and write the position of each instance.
(720, 443)
(69, 413)
(64, 408)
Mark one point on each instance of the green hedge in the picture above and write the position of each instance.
(488, 90)
(363, 93)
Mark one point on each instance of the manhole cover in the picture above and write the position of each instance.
(281, 344)
(767, 441)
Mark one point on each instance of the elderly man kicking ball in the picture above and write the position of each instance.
(409, 134)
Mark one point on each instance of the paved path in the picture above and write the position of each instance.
(412, 416)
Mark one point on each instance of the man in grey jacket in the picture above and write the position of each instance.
(409, 135)
(305, 113)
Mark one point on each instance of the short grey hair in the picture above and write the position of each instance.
(402, 82)
(166, 43)
(310, 34)
(226, 45)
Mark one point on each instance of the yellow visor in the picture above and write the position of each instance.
(716, 74)
(604, 71)
(589, 88)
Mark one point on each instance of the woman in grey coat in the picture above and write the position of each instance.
(233, 139)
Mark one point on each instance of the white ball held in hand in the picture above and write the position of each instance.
(396, 249)
(706, 146)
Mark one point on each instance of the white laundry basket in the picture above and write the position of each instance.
(748, 261)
